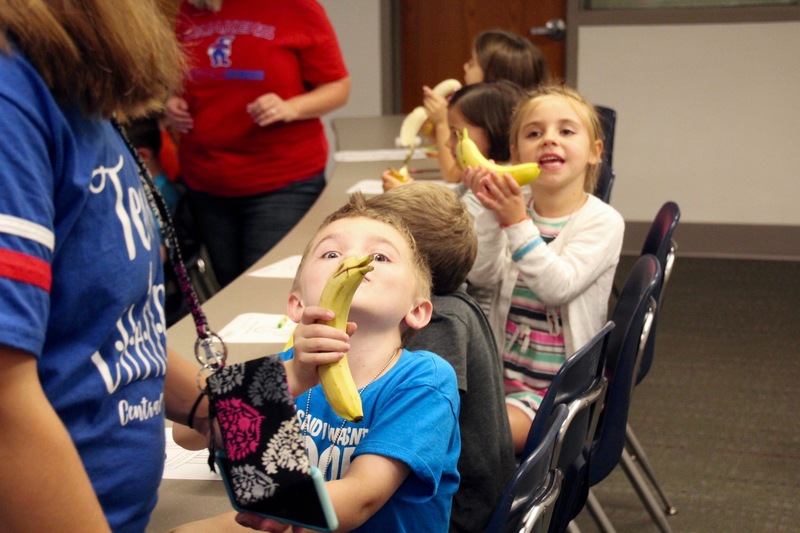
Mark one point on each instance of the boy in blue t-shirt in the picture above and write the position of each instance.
(395, 470)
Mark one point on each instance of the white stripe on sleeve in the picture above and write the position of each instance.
(28, 230)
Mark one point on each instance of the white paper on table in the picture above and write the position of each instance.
(367, 187)
(388, 154)
(258, 328)
(285, 268)
(181, 463)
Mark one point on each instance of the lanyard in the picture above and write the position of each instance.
(209, 349)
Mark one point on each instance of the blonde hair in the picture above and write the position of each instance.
(357, 207)
(585, 111)
(108, 57)
(441, 226)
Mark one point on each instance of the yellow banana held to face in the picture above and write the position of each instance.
(336, 379)
(467, 154)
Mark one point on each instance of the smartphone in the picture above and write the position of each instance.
(306, 504)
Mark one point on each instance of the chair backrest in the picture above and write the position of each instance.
(608, 121)
(605, 182)
(531, 491)
(660, 243)
(576, 376)
(632, 315)
(579, 384)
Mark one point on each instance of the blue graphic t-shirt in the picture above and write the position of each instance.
(410, 414)
(81, 287)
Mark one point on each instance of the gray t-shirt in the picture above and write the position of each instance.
(459, 332)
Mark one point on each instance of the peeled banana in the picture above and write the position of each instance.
(336, 379)
(401, 174)
(415, 120)
(467, 154)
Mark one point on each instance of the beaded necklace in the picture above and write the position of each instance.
(335, 438)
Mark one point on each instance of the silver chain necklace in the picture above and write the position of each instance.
(341, 428)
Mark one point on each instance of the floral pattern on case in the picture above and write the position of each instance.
(256, 415)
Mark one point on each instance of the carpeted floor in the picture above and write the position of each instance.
(718, 412)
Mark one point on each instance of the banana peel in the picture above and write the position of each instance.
(337, 295)
(467, 154)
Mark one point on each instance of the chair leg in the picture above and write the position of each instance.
(572, 527)
(638, 455)
(645, 494)
(599, 514)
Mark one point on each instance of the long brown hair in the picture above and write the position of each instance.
(504, 55)
(108, 57)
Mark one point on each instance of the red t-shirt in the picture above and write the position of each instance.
(248, 49)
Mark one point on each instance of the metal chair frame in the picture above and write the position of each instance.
(530, 494)
(660, 243)
(634, 314)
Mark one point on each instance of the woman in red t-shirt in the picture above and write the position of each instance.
(252, 147)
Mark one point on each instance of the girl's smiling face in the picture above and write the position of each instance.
(555, 136)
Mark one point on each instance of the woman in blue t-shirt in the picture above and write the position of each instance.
(82, 331)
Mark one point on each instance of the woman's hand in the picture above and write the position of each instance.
(270, 108)
(178, 115)
(253, 521)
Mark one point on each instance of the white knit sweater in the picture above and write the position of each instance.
(574, 272)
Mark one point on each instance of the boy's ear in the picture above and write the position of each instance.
(420, 315)
(294, 307)
(146, 154)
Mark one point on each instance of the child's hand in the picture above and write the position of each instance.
(390, 182)
(315, 344)
(434, 105)
(502, 195)
(473, 178)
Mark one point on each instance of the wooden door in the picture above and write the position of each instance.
(436, 37)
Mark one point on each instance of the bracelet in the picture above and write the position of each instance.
(523, 219)
(194, 409)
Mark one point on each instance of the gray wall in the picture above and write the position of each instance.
(708, 116)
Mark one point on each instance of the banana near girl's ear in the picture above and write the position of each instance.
(419, 316)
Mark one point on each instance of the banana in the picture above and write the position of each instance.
(337, 381)
(402, 174)
(416, 119)
(467, 154)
